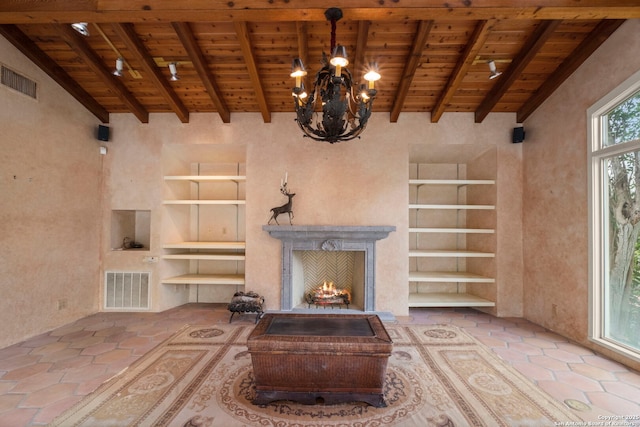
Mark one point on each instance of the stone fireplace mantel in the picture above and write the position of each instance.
(328, 238)
(340, 232)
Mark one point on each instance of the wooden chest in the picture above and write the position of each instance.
(313, 358)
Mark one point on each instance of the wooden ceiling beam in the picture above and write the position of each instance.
(242, 31)
(528, 51)
(53, 70)
(303, 43)
(68, 11)
(361, 48)
(411, 64)
(93, 61)
(303, 49)
(190, 44)
(128, 35)
(592, 42)
(475, 43)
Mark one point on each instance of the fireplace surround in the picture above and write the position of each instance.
(328, 238)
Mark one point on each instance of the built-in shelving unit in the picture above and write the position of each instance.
(206, 245)
(451, 234)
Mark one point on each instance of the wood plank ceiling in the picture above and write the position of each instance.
(235, 56)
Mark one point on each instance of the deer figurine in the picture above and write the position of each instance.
(286, 208)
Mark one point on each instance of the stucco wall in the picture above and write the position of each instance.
(56, 211)
(50, 183)
(555, 170)
(362, 182)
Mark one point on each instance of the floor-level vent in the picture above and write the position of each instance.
(126, 290)
(18, 82)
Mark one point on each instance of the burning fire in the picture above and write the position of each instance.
(328, 291)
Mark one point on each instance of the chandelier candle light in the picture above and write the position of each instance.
(344, 114)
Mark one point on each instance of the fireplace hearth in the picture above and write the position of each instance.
(357, 239)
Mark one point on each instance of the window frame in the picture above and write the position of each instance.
(599, 213)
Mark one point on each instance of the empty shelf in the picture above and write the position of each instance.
(204, 178)
(415, 253)
(205, 245)
(207, 256)
(206, 279)
(443, 299)
(451, 230)
(448, 276)
(451, 181)
(450, 207)
(204, 202)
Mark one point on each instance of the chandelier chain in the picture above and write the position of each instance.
(333, 34)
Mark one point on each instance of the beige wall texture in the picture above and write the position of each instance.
(50, 216)
(361, 182)
(556, 229)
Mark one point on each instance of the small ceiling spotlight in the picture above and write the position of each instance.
(494, 72)
(81, 27)
(119, 67)
(173, 68)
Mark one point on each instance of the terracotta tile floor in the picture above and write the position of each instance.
(43, 376)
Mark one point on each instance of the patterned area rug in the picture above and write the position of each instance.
(202, 376)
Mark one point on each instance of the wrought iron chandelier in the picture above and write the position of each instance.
(344, 114)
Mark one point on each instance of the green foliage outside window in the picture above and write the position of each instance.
(622, 125)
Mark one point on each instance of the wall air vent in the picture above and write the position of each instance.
(125, 290)
(18, 82)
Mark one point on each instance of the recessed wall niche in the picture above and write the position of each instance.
(130, 230)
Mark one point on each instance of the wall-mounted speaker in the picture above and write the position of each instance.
(518, 135)
(103, 133)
